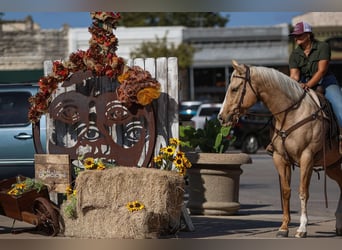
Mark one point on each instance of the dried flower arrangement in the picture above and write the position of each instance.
(137, 85)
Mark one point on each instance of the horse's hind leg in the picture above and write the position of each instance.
(335, 173)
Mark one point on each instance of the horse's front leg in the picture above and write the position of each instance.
(305, 177)
(284, 171)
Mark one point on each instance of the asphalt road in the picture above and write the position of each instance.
(260, 214)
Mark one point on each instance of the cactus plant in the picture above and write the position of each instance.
(213, 138)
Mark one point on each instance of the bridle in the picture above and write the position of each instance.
(247, 80)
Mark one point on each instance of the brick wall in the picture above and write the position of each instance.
(28, 49)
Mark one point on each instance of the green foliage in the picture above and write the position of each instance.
(33, 184)
(160, 48)
(187, 19)
(70, 208)
(213, 138)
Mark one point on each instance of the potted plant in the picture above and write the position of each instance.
(214, 178)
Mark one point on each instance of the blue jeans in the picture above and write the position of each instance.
(334, 94)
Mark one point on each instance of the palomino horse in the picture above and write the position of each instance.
(299, 134)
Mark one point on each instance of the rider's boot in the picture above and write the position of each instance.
(340, 137)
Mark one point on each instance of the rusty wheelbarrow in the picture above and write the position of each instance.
(32, 207)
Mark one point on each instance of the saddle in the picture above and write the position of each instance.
(333, 129)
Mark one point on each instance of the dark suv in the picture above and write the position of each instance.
(253, 130)
(16, 146)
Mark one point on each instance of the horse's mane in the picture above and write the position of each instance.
(273, 78)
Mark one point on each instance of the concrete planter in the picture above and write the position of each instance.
(214, 181)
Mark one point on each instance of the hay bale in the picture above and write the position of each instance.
(102, 197)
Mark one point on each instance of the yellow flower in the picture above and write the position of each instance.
(68, 190)
(89, 163)
(170, 150)
(100, 165)
(138, 205)
(174, 141)
(20, 186)
(146, 95)
(186, 162)
(134, 206)
(178, 161)
(13, 191)
(157, 159)
(170, 158)
(181, 171)
(180, 154)
(130, 206)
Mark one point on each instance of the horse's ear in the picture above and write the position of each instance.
(239, 68)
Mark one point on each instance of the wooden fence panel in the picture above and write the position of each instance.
(165, 70)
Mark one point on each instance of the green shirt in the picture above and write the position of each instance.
(309, 65)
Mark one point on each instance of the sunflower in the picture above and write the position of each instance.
(171, 158)
(134, 206)
(100, 165)
(174, 141)
(158, 159)
(178, 161)
(169, 150)
(89, 163)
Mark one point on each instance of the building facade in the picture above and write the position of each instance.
(217, 47)
(24, 47)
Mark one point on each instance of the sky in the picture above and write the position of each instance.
(55, 20)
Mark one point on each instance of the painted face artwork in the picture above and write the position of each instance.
(90, 121)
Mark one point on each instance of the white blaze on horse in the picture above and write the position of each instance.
(300, 129)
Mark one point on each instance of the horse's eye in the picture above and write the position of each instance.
(235, 89)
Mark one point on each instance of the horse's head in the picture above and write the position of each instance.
(239, 97)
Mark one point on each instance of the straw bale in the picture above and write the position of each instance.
(102, 197)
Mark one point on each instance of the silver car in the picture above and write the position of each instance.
(205, 112)
(16, 147)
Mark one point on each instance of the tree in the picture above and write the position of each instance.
(187, 19)
(160, 48)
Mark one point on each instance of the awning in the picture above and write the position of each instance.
(20, 76)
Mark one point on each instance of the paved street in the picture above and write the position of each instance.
(260, 214)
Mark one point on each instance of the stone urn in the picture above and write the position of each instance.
(214, 181)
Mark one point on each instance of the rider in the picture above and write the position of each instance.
(309, 65)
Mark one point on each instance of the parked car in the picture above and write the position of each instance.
(205, 111)
(16, 147)
(253, 130)
(188, 109)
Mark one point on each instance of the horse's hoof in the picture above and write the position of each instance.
(282, 234)
(301, 235)
(338, 231)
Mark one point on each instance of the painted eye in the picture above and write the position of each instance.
(90, 133)
(133, 132)
(116, 112)
(68, 114)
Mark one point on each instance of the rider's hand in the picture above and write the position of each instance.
(304, 86)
